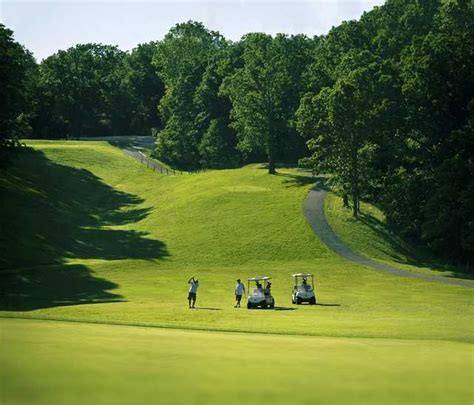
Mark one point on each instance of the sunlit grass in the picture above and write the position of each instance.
(57, 362)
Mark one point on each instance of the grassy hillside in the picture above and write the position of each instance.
(90, 235)
(370, 236)
(112, 233)
(97, 228)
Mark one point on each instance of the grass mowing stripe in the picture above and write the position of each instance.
(211, 330)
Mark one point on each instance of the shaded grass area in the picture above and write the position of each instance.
(52, 213)
(213, 368)
(63, 212)
(55, 286)
(370, 236)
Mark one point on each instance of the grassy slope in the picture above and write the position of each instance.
(128, 239)
(370, 237)
(175, 367)
(100, 238)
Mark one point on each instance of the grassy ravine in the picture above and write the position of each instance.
(370, 237)
(90, 235)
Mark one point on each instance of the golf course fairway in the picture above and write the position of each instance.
(71, 363)
(96, 251)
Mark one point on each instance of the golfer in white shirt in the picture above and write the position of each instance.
(239, 291)
(192, 291)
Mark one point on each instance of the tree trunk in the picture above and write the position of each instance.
(355, 180)
(271, 160)
(345, 200)
(355, 205)
(271, 166)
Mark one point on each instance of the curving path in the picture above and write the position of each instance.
(314, 213)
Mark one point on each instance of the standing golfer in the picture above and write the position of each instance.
(239, 290)
(192, 291)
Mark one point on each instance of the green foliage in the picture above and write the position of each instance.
(96, 89)
(181, 59)
(387, 115)
(17, 70)
(344, 123)
(438, 82)
(265, 93)
(144, 87)
(217, 147)
(82, 93)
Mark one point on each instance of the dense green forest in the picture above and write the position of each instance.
(384, 105)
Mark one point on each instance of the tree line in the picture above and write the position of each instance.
(383, 106)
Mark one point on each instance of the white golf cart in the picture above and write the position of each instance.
(260, 295)
(303, 291)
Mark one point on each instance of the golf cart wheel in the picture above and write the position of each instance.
(312, 301)
(249, 305)
(272, 305)
(298, 301)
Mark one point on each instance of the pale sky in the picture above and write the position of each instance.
(44, 27)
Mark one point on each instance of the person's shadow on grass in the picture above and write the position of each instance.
(208, 308)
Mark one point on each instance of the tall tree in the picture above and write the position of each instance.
(144, 87)
(265, 92)
(181, 60)
(404, 115)
(17, 70)
(217, 147)
(344, 122)
(82, 90)
(437, 70)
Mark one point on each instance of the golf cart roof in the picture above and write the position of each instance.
(259, 278)
(302, 275)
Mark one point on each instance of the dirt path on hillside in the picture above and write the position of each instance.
(314, 213)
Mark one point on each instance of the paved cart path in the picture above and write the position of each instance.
(314, 213)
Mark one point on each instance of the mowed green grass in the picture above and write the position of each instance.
(58, 362)
(90, 235)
